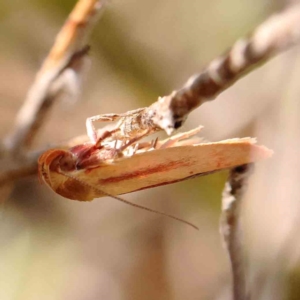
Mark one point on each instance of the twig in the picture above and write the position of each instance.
(29, 168)
(65, 57)
(169, 112)
(270, 38)
(230, 226)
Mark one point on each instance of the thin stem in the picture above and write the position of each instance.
(270, 38)
(67, 55)
(230, 226)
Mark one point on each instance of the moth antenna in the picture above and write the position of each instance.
(131, 203)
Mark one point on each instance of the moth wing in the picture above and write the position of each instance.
(165, 166)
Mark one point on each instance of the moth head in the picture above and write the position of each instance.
(52, 162)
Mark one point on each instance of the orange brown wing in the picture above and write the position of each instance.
(148, 169)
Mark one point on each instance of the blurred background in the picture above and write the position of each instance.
(54, 248)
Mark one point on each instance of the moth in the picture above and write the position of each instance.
(108, 166)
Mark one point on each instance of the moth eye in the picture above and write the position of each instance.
(67, 163)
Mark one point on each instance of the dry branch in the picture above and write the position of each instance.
(230, 226)
(169, 112)
(270, 38)
(59, 73)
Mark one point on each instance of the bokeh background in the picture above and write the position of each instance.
(54, 248)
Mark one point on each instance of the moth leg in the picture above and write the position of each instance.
(133, 140)
(133, 150)
(144, 146)
(98, 144)
(91, 130)
(106, 134)
(136, 147)
(154, 144)
(115, 145)
(170, 142)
